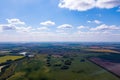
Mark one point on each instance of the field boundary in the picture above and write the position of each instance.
(103, 68)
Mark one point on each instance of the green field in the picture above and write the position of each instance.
(8, 57)
(37, 69)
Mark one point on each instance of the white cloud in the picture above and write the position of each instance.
(107, 3)
(89, 21)
(15, 21)
(83, 5)
(95, 21)
(47, 23)
(65, 26)
(63, 32)
(1, 29)
(96, 36)
(82, 27)
(16, 25)
(43, 28)
(24, 29)
(105, 27)
(51, 36)
(80, 5)
(4, 27)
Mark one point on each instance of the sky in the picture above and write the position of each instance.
(60, 20)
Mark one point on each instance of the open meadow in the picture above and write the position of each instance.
(57, 67)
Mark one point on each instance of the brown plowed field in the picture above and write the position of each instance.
(109, 66)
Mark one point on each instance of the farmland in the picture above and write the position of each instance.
(103, 50)
(110, 66)
(5, 65)
(37, 69)
(57, 61)
(5, 58)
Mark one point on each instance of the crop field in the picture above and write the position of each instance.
(5, 58)
(110, 66)
(60, 67)
(60, 61)
(103, 50)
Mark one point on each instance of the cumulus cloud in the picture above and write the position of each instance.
(84, 5)
(97, 36)
(24, 29)
(95, 21)
(80, 5)
(65, 26)
(15, 21)
(47, 23)
(107, 3)
(82, 27)
(105, 27)
(64, 32)
(6, 27)
(16, 25)
(43, 28)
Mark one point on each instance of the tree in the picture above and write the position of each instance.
(68, 62)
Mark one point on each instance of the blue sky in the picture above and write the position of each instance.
(60, 20)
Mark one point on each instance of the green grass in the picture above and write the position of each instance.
(82, 71)
(5, 58)
(36, 69)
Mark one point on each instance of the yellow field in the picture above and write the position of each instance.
(103, 50)
(5, 58)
